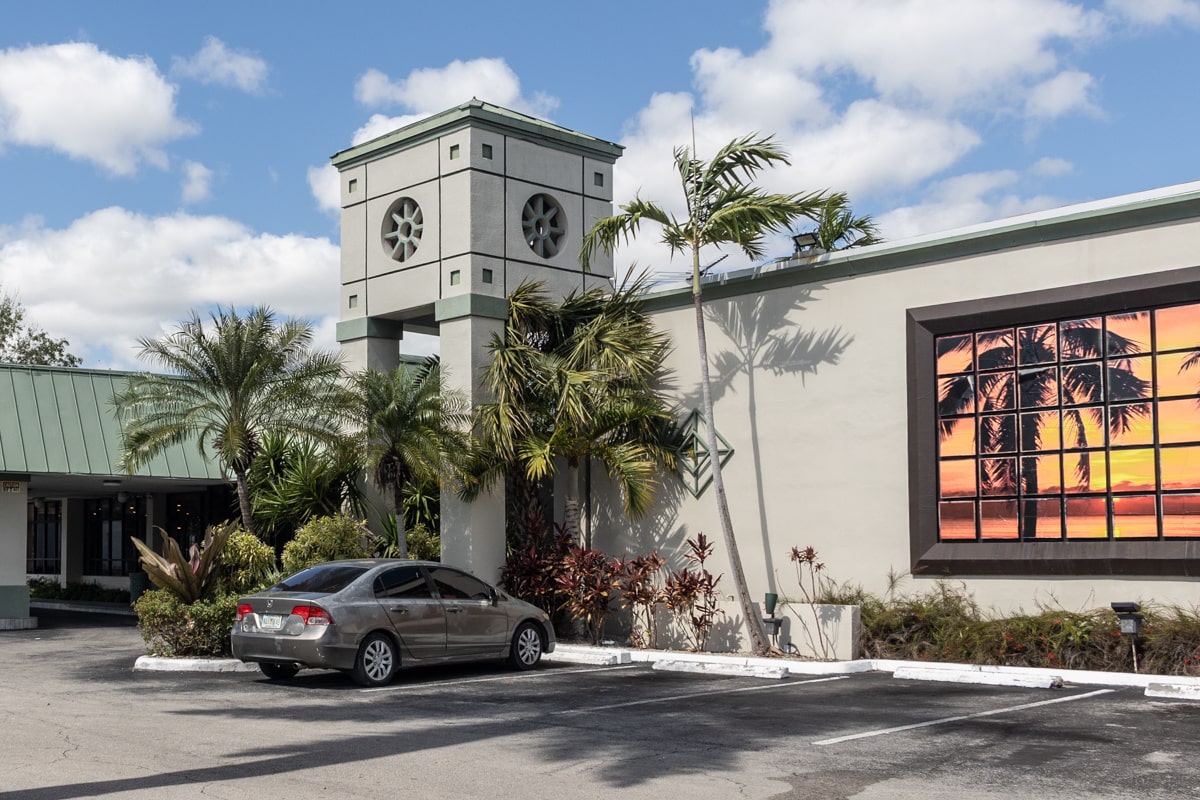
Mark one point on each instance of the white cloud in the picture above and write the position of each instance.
(216, 64)
(962, 200)
(427, 91)
(379, 124)
(197, 182)
(1052, 167)
(1157, 12)
(88, 104)
(326, 187)
(944, 52)
(1065, 92)
(148, 273)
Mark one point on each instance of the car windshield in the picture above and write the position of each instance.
(323, 578)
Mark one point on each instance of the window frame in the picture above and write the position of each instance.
(931, 557)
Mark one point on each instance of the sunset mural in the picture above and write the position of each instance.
(1079, 429)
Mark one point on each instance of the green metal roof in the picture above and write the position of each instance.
(62, 421)
(480, 114)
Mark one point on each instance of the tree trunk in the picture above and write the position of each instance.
(754, 623)
(243, 493)
(571, 506)
(401, 534)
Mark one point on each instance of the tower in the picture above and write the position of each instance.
(441, 220)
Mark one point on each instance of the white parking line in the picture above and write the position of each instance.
(698, 694)
(543, 673)
(994, 711)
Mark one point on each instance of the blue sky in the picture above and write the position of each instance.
(157, 158)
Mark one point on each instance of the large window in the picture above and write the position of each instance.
(1059, 432)
(1085, 428)
(43, 553)
(108, 527)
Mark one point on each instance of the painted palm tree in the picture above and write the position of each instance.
(839, 228)
(1037, 387)
(577, 381)
(412, 430)
(723, 208)
(226, 386)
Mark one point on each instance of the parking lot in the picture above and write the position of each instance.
(76, 721)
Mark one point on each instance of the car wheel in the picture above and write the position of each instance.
(377, 661)
(278, 672)
(526, 650)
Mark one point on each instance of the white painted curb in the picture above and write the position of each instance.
(595, 656)
(156, 664)
(1174, 691)
(775, 672)
(979, 677)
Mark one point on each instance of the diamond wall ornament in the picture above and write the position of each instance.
(695, 463)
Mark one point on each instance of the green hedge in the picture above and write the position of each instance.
(172, 629)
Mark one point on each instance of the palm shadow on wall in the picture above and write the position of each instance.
(765, 339)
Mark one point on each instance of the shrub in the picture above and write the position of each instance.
(589, 580)
(641, 590)
(190, 578)
(246, 565)
(691, 594)
(50, 589)
(172, 628)
(325, 539)
(531, 572)
(424, 544)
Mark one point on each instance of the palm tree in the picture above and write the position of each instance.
(723, 208)
(839, 228)
(577, 381)
(412, 430)
(227, 387)
(296, 479)
(1082, 385)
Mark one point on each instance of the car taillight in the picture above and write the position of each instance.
(242, 610)
(313, 615)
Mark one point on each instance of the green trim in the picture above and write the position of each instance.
(14, 601)
(1004, 235)
(476, 113)
(470, 305)
(369, 328)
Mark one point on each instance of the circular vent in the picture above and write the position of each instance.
(544, 225)
(402, 226)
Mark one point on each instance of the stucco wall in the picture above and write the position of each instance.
(812, 394)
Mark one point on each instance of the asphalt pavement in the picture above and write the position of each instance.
(77, 721)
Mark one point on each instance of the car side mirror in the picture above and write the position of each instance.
(495, 596)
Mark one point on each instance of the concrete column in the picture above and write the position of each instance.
(370, 342)
(14, 539)
(472, 533)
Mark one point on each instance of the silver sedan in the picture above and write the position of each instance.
(370, 617)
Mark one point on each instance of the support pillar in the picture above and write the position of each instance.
(14, 538)
(472, 533)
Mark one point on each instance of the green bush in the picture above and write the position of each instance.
(423, 544)
(245, 565)
(945, 624)
(325, 539)
(50, 589)
(172, 629)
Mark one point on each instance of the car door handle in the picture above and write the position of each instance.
(398, 610)
(454, 610)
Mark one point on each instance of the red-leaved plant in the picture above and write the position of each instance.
(691, 594)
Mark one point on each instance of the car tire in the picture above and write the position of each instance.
(278, 672)
(377, 661)
(526, 650)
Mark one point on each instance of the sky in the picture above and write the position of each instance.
(158, 158)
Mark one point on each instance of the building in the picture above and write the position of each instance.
(67, 508)
(1014, 406)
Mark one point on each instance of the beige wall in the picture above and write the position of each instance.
(821, 435)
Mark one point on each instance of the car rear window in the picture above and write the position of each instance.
(325, 578)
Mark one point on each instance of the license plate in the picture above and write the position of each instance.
(271, 622)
